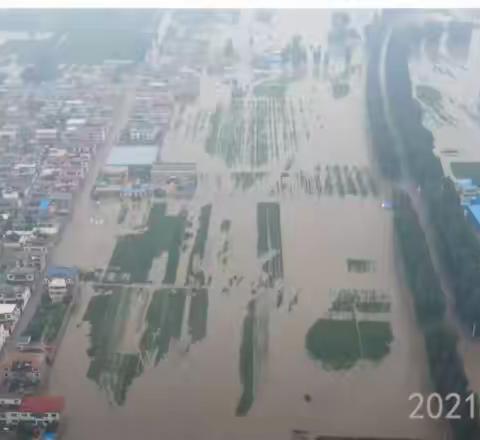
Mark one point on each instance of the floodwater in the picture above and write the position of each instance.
(244, 372)
(452, 69)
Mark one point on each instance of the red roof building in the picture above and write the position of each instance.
(42, 404)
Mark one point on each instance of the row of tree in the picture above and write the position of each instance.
(455, 236)
(381, 138)
(446, 366)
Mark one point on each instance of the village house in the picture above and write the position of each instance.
(60, 281)
(19, 295)
(20, 275)
(23, 371)
(9, 315)
(57, 289)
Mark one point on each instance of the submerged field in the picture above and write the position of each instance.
(269, 303)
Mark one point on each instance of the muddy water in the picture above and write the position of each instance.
(194, 390)
(455, 75)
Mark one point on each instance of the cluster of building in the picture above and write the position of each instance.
(49, 136)
(48, 139)
(134, 167)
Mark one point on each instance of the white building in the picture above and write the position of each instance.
(4, 334)
(19, 295)
(9, 315)
(57, 289)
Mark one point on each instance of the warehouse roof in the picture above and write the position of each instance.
(42, 404)
(7, 308)
(132, 155)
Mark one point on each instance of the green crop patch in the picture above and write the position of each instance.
(134, 253)
(270, 238)
(340, 343)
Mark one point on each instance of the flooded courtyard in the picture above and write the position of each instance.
(273, 300)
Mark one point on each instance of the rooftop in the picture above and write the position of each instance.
(132, 155)
(43, 404)
(62, 272)
(7, 308)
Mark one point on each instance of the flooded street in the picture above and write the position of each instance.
(286, 225)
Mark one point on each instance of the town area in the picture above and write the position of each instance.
(209, 223)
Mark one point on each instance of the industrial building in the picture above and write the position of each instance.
(139, 159)
(182, 176)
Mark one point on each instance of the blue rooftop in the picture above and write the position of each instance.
(62, 272)
(44, 204)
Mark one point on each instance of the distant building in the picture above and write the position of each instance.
(139, 159)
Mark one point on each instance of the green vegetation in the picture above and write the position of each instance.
(115, 373)
(456, 242)
(253, 132)
(295, 53)
(340, 89)
(382, 140)
(361, 300)
(198, 314)
(334, 342)
(110, 370)
(46, 321)
(225, 226)
(446, 366)
(247, 367)
(163, 323)
(376, 337)
(274, 89)
(341, 343)
(359, 265)
(245, 180)
(134, 253)
(466, 170)
(270, 238)
(200, 242)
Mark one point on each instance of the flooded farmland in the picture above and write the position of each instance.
(271, 301)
